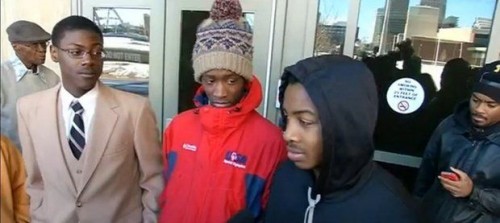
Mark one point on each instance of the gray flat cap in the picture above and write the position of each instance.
(25, 31)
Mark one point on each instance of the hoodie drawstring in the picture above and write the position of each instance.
(308, 217)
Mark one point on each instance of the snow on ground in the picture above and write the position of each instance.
(125, 70)
(125, 43)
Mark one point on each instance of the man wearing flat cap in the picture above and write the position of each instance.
(24, 73)
(459, 178)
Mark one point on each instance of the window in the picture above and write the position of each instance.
(126, 42)
(415, 39)
(331, 27)
(439, 30)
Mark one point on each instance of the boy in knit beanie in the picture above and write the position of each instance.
(459, 179)
(220, 156)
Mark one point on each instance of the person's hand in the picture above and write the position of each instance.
(460, 188)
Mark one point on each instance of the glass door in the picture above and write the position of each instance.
(182, 20)
(133, 41)
(126, 28)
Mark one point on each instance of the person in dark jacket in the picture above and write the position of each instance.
(459, 178)
(329, 110)
(455, 88)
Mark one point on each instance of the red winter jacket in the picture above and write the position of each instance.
(219, 161)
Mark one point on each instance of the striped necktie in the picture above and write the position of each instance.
(77, 132)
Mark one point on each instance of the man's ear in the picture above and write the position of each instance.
(53, 54)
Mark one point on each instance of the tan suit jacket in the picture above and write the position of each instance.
(121, 177)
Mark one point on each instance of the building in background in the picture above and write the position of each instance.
(422, 21)
(482, 30)
(465, 34)
(331, 38)
(450, 22)
(440, 4)
(379, 22)
(482, 25)
(451, 43)
(394, 23)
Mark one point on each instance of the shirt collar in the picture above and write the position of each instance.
(88, 100)
(20, 69)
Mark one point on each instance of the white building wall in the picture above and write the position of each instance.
(457, 34)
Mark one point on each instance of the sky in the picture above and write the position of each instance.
(467, 10)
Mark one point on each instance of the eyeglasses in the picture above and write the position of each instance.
(79, 54)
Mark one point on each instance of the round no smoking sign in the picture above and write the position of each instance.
(405, 96)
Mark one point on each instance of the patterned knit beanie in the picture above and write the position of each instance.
(224, 41)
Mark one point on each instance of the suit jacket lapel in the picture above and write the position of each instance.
(102, 126)
(50, 108)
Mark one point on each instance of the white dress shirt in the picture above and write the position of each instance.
(88, 102)
(21, 70)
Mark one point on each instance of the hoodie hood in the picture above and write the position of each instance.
(344, 93)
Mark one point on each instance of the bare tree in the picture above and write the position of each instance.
(323, 42)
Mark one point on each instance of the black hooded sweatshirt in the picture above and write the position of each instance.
(350, 187)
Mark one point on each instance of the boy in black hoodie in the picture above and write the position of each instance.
(329, 107)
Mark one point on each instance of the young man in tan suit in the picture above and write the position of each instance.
(92, 153)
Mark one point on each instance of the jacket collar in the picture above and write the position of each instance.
(217, 120)
(20, 69)
(249, 102)
(462, 118)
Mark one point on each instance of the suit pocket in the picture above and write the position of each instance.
(119, 149)
(115, 153)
